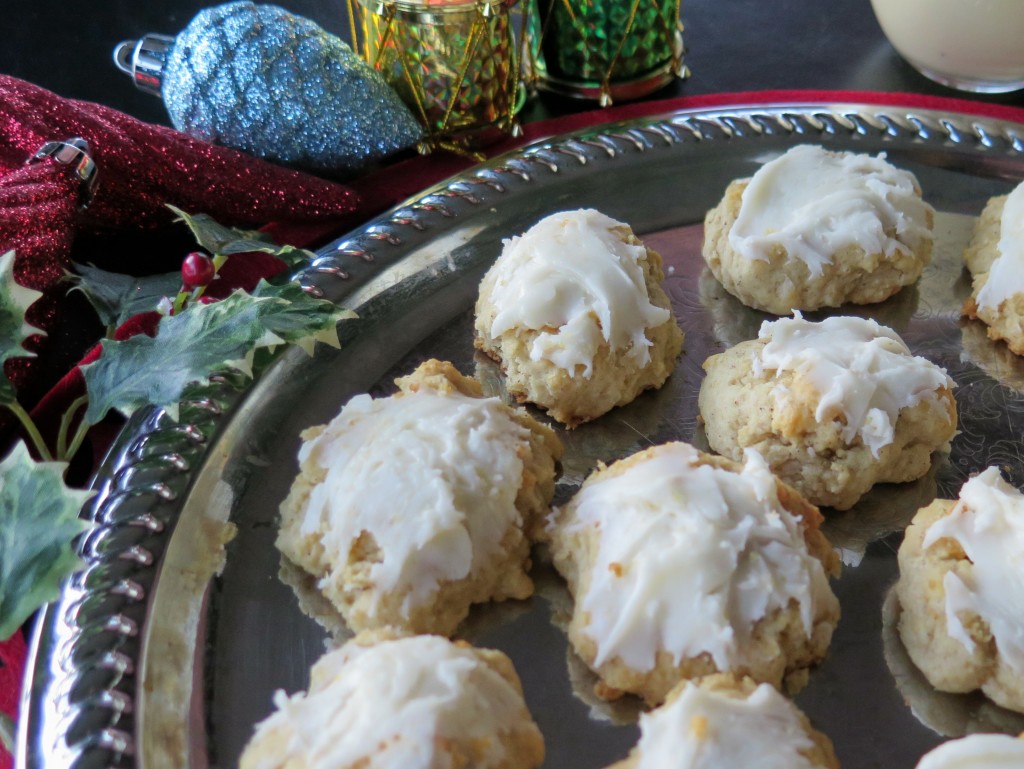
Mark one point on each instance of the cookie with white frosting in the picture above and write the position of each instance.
(995, 259)
(409, 509)
(416, 702)
(976, 751)
(668, 555)
(834, 406)
(574, 312)
(815, 228)
(961, 591)
(723, 721)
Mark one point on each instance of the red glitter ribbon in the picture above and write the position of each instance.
(143, 167)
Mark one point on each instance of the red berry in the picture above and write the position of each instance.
(197, 270)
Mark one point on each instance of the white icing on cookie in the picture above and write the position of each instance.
(814, 203)
(393, 704)
(976, 751)
(432, 477)
(864, 373)
(704, 729)
(573, 279)
(1006, 275)
(988, 522)
(690, 558)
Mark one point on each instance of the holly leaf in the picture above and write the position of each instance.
(202, 341)
(15, 299)
(117, 297)
(292, 321)
(8, 395)
(38, 521)
(225, 241)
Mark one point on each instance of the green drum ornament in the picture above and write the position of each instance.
(606, 50)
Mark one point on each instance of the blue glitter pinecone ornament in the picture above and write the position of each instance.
(262, 80)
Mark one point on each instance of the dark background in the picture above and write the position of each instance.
(733, 45)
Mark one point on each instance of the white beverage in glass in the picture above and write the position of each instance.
(973, 45)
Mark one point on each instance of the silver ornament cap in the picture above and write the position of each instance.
(143, 60)
(76, 154)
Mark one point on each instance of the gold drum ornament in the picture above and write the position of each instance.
(453, 62)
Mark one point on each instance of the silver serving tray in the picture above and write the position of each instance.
(165, 650)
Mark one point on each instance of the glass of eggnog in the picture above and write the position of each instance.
(972, 45)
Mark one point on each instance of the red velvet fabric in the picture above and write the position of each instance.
(375, 192)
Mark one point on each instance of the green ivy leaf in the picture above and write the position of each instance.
(117, 297)
(225, 241)
(38, 521)
(204, 340)
(14, 301)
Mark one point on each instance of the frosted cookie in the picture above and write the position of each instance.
(993, 357)
(815, 228)
(961, 591)
(995, 259)
(418, 702)
(948, 714)
(834, 407)
(722, 721)
(409, 509)
(976, 751)
(574, 312)
(669, 553)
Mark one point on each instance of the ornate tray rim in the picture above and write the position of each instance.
(80, 701)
